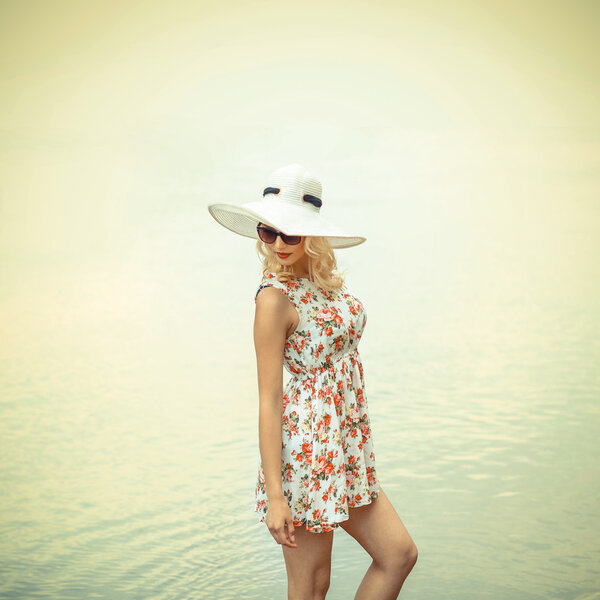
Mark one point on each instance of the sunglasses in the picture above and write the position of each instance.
(268, 236)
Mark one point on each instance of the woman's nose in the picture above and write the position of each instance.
(279, 245)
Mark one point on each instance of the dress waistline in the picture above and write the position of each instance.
(325, 366)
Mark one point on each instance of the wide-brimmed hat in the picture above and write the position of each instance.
(291, 203)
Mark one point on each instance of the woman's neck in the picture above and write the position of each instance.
(302, 269)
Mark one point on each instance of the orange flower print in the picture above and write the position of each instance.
(337, 399)
(307, 298)
(321, 462)
(299, 345)
(370, 476)
(321, 429)
(318, 350)
(287, 473)
(325, 314)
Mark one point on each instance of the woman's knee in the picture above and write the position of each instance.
(399, 557)
(321, 583)
(411, 555)
(313, 586)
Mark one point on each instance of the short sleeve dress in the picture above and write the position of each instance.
(327, 456)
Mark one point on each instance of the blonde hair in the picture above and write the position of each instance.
(322, 266)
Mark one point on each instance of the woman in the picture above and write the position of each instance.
(317, 471)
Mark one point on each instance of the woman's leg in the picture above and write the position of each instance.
(308, 565)
(379, 530)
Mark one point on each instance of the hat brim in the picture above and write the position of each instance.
(291, 220)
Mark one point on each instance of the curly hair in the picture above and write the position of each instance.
(322, 265)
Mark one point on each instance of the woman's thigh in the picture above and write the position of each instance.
(309, 564)
(380, 531)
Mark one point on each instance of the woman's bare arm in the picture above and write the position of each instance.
(270, 326)
(271, 323)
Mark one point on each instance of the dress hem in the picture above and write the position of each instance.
(329, 525)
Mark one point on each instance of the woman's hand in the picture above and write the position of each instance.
(280, 523)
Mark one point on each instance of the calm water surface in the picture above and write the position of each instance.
(129, 418)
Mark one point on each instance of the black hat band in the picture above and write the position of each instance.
(307, 197)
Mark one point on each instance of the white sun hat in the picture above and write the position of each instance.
(291, 203)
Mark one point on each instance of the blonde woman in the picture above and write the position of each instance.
(317, 471)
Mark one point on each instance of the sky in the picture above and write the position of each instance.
(109, 68)
(112, 113)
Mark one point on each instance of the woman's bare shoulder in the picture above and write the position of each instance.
(270, 297)
(272, 315)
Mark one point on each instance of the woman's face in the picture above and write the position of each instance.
(287, 254)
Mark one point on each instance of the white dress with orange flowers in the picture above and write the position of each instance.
(327, 457)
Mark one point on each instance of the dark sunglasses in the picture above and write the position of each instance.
(268, 236)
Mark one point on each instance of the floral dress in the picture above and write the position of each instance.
(327, 456)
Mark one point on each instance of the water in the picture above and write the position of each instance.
(128, 407)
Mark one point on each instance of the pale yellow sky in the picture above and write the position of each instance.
(106, 68)
(110, 112)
